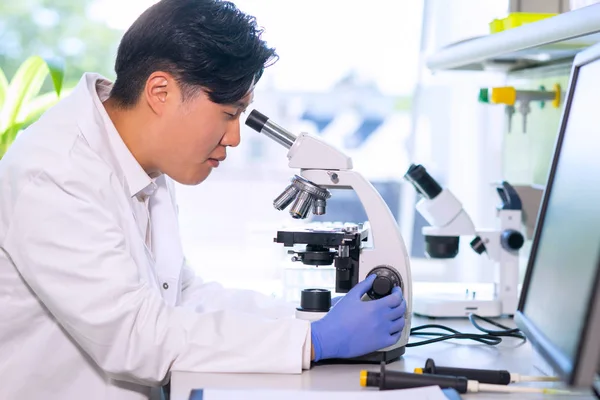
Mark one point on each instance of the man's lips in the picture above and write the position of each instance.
(216, 161)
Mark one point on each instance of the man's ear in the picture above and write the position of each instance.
(160, 90)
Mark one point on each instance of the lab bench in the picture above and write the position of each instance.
(512, 354)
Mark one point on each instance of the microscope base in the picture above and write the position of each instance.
(376, 357)
(440, 307)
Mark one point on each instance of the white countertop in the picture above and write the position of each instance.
(512, 354)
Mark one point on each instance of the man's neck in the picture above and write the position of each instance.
(130, 126)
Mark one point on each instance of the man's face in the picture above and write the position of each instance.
(194, 135)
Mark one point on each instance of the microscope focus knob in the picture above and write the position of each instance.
(512, 239)
(382, 286)
(385, 281)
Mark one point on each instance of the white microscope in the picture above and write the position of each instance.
(442, 210)
(323, 167)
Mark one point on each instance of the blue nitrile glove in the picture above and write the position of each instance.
(354, 327)
(336, 300)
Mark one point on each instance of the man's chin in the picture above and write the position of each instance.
(192, 179)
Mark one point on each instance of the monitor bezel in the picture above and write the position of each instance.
(582, 371)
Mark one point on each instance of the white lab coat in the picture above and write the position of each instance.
(87, 311)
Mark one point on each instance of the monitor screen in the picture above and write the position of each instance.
(559, 303)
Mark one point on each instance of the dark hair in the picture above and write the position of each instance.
(204, 44)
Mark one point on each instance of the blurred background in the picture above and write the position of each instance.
(350, 72)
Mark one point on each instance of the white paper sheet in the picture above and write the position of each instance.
(424, 393)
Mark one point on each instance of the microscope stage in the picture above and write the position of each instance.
(321, 237)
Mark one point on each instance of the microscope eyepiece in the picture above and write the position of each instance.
(422, 181)
(256, 120)
(262, 124)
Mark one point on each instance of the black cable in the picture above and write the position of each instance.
(485, 339)
(505, 329)
(489, 337)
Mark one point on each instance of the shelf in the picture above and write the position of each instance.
(538, 43)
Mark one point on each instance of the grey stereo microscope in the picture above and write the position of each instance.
(449, 221)
(323, 167)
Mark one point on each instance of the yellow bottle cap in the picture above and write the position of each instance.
(363, 378)
(418, 370)
(504, 95)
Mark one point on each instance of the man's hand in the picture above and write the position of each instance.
(336, 300)
(354, 327)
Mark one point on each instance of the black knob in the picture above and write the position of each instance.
(512, 239)
(478, 245)
(382, 286)
(386, 279)
(315, 300)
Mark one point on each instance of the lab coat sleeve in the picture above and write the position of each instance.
(67, 243)
(211, 297)
(203, 296)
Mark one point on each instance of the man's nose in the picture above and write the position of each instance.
(232, 136)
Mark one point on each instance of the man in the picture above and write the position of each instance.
(96, 301)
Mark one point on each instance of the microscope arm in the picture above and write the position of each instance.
(502, 246)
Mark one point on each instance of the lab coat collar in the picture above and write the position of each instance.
(97, 89)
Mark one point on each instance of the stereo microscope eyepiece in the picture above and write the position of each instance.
(422, 181)
(262, 124)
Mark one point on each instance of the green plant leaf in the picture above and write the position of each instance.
(26, 84)
(3, 87)
(56, 67)
(10, 132)
(29, 76)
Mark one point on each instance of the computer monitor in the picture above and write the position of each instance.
(559, 308)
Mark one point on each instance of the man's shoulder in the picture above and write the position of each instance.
(52, 181)
(70, 164)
